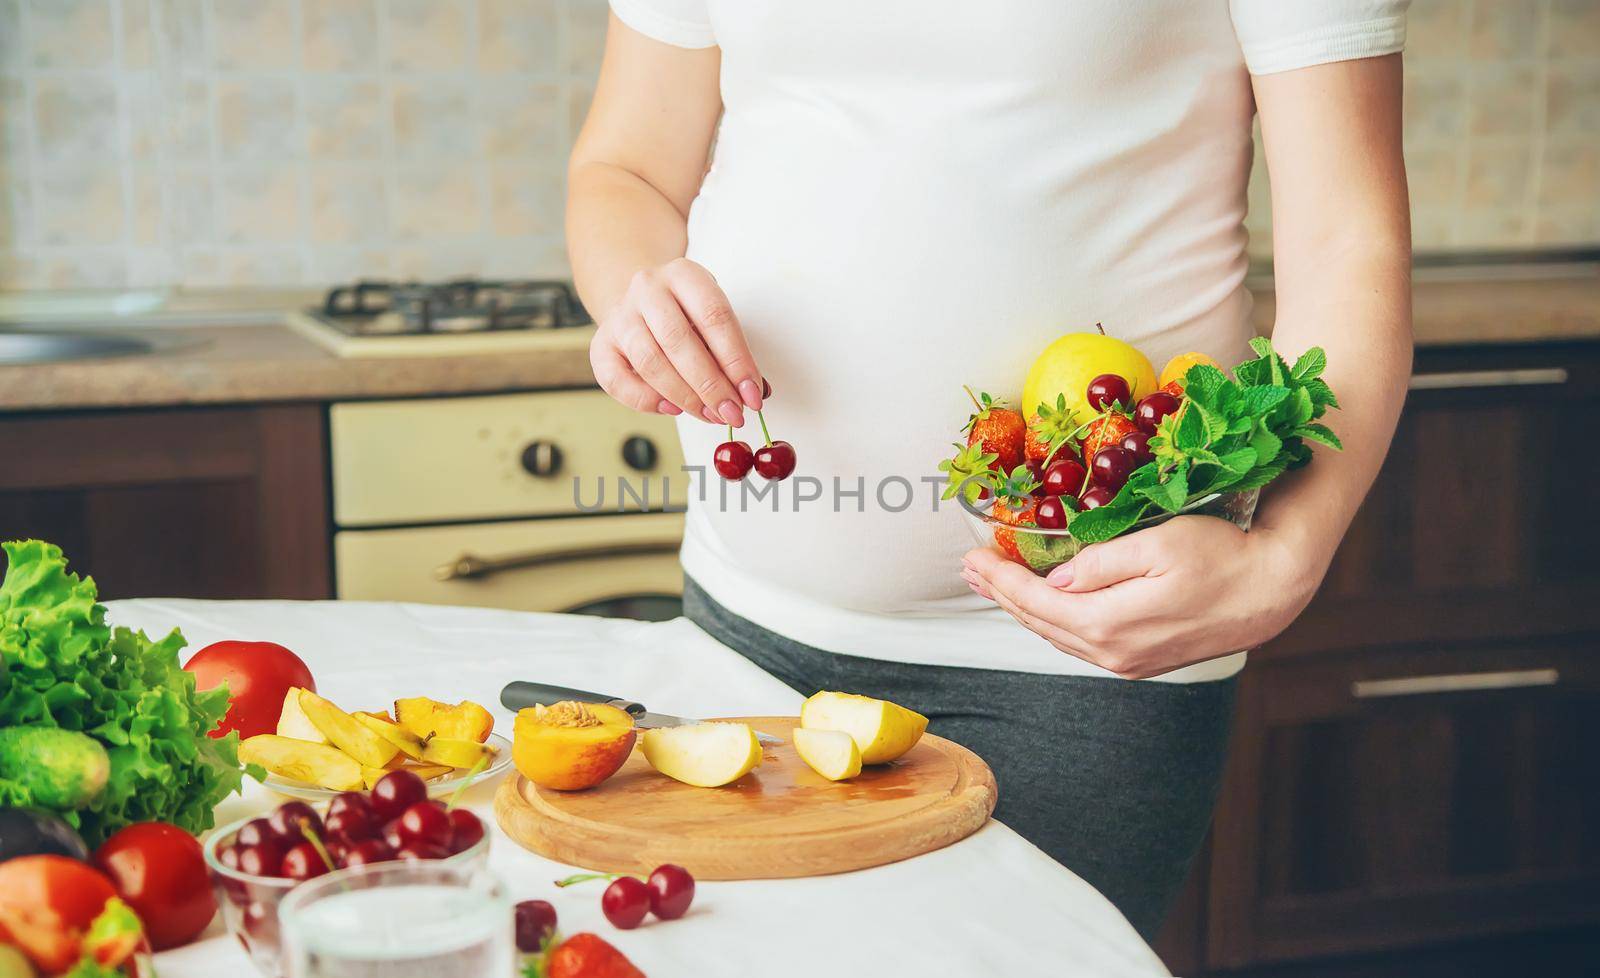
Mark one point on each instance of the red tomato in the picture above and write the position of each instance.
(46, 902)
(258, 675)
(159, 871)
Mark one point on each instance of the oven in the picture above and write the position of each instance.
(546, 501)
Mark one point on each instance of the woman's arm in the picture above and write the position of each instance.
(668, 340)
(1196, 588)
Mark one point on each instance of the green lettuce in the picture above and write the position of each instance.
(61, 666)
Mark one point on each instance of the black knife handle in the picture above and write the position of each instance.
(521, 695)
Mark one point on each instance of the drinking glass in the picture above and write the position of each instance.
(419, 919)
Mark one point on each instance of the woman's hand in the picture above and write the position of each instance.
(1190, 589)
(672, 344)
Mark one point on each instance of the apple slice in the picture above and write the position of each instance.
(293, 722)
(346, 732)
(831, 753)
(428, 772)
(706, 755)
(882, 730)
(455, 753)
(409, 743)
(301, 760)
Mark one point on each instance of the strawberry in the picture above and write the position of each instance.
(1050, 431)
(1000, 430)
(1014, 505)
(587, 956)
(1174, 387)
(966, 463)
(1108, 429)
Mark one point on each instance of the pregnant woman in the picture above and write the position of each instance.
(867, 205)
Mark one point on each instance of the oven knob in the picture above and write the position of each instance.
(541, 458)
(640, 453)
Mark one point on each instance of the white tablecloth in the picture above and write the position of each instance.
(989, 905)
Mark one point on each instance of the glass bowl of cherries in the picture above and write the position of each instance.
(255, 862)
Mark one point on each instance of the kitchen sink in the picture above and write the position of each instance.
(20, 346)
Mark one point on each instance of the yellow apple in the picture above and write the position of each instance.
(831, 753)
(409, 743)
(293, 722)
(706, 755)
(302, 760)
(455, 753)
(346, 732)
(1067, 365)
(882, 730)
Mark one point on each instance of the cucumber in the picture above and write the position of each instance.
(64, 770)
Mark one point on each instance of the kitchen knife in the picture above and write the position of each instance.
(521, 695)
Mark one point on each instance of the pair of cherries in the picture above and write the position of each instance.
(774, 461)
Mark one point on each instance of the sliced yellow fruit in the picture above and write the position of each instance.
(455, 753)
(882, 730)
(831, 753)
(371, 775)
(409, 743)
(346, 732)
(293, 722)
(706, 755)
(302, 760)
(430, 718)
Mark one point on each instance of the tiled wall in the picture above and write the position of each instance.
(264, 142)
(1502, 126)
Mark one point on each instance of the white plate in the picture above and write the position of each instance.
(436, 787)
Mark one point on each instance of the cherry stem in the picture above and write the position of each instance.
(730, 432)
(586, 877)
(466, 782)
(764, 433)
(316, 843)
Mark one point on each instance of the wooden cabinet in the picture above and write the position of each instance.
(227, 502)
(1417, 760)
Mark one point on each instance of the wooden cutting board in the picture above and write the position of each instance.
(780, 820)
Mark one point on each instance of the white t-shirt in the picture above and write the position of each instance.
(912, 195)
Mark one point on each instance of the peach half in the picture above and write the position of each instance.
(571, 746)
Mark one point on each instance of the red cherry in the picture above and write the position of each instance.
(352, 824)
(391, 835)
(263, 858)
(303, 862)
(425, 822)
(1036, 470)
(1137, 444)
(466, 830)
(1051, 514)
(732, 460)
(1111, 467)
(775, 462)
(366, 852)
(1107, 391)
(1063, 477)
(261, 922)
(671, 891)
(229, 856)
(347, 800)
(1096, 496)
(255, 832)
(536, 920)
(625, 902)
(286, 818)
(395, 792)
(1152, 409)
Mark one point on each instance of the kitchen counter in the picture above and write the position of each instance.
(270, 363)
(989, 904)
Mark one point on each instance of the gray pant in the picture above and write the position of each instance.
(1113, 779)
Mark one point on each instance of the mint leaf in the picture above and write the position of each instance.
(1257, 400)
(1259, 476)
(1321, 434)
(1045, 553)
(1266, 444)
(1191, 432)
(1171, 494)
(1202, 383)
(1239, 461)
(1321, 396)
(1310, 365)
(1106, 522)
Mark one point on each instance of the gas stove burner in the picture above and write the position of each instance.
(460, 306)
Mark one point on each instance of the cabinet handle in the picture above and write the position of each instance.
(1459, 682)
(470, 566)
(1458, 379)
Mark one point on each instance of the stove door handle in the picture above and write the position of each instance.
(471, 567)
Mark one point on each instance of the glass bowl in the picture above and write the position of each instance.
(1044, 550)
(250, 903)
(437, 788)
